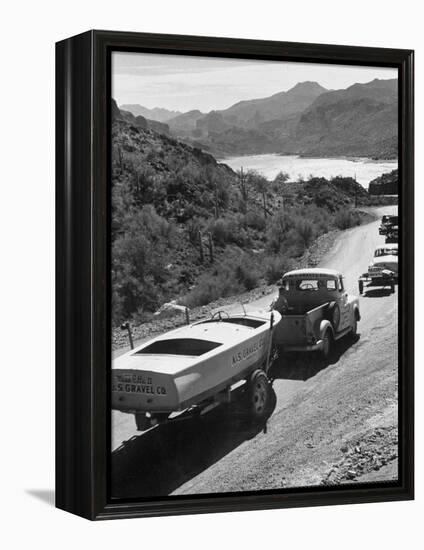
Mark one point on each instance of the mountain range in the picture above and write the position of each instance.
(158, 113)
(307, 120)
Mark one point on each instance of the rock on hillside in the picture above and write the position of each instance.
(386, 184)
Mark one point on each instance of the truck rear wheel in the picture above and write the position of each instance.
(333, 315)
(327, 344)
(259, 395)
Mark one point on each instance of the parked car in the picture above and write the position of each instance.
(392, 234)
(386, 223)
(315, 311)
(383, 271)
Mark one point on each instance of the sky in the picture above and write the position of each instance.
(184, 83)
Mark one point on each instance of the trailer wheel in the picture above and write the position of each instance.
(327, 344)
(361, 286)
(142, 422)
(259, 395)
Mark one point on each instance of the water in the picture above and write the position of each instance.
(364, 169)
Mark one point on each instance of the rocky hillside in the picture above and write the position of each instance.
(386, 184)
(187, 228)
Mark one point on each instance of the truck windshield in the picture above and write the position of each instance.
(307, 284)
(315, 284)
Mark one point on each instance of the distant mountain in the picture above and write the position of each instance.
(185, 123)
(139, 121)
(307, 120)
(277, 106)
(252, 126)
(358, 121)
(158, 114)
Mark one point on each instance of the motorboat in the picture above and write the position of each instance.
(192, 365)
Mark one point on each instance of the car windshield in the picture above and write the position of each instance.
(386, 252)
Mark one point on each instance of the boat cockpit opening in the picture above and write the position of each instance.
(179, 346)
(244, 321)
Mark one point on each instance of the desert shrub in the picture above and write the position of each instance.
(140, 256)
(277, 231)
(345, 219)
(276, 266)
(228, 230)
(254, 220)
(247, 273)
(222, 231)
(235, 273)
(193, 227)
(306, 231)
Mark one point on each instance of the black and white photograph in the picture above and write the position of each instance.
(254, 275)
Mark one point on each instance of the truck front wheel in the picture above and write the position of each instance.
(354, 330)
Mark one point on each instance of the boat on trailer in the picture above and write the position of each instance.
(196, 367)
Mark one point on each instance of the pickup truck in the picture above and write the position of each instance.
(315, 311)
(383, 271)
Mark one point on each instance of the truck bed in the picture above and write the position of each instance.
(297, 327)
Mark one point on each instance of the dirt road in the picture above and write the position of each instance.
(331, 423)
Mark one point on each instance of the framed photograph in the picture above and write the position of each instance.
(234, 274)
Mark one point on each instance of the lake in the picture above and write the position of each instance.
(364, 169)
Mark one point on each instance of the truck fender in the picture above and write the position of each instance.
(330, 314)
(356, 312)
(323, 326)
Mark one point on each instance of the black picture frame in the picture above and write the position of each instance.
(82, 273)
